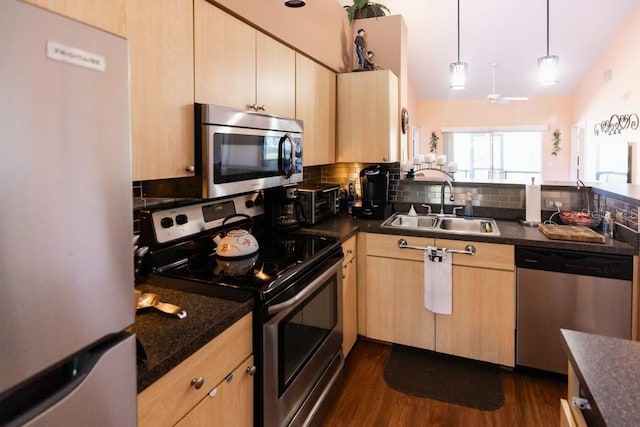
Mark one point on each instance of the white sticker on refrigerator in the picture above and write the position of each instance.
(75, 56)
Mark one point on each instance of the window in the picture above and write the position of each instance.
(611, 161)
(509, 155)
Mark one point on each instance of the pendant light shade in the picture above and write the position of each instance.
(548, 66)
(548, 70)
(294, 3)
(458, 75)
(458, 70)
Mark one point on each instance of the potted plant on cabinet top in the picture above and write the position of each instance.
(365, 9)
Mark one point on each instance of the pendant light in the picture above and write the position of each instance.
(458, 70)
(548, 66)
(294, 3)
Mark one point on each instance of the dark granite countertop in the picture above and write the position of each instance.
(167, 340)
(609, 371)
(344, 226)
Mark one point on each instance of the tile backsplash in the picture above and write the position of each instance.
(502, 200)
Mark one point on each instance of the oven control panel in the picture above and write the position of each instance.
(180, 222)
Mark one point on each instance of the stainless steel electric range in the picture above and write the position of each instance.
(295, 280)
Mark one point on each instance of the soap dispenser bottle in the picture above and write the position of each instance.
(607, 225)
(468, 207)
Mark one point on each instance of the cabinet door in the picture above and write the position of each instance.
(160, 34)
(350, 306)
(275, 77)
(229, 404)
(225, 58)
(368, 117)
(172, 396)
(395, 309)
(482, 324)
(316, 107)
(108, 15)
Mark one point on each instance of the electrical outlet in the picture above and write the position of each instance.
(549, 203)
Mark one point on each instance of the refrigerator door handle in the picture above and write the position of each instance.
(30, 402)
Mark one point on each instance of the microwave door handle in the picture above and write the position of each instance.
(281, 164)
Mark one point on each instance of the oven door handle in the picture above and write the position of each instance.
(308, 290)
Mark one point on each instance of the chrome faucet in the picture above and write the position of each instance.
(451, 198)
(580, 185)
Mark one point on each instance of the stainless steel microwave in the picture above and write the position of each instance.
(238, 151)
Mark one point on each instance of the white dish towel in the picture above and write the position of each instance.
(438, 296)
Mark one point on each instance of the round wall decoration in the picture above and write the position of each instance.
(405, 120)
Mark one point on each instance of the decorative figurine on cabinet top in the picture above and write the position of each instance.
(368, 62)
(360, 47)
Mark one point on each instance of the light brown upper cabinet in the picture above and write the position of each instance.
(237, 66)
(368, 117)
(316, 107)
(108, 15)
(160, 34)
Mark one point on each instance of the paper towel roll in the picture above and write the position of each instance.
(532, 194)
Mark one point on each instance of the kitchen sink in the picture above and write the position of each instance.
(483, 226)
(414, 222)
(443, 224)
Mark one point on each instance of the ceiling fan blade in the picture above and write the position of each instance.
(515, 98)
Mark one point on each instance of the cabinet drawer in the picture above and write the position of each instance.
(349, 249)
(488, 255)
(172, 396)
(386, 245)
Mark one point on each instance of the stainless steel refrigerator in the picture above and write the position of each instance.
(66, 273)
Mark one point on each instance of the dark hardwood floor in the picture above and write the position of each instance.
(366, 400)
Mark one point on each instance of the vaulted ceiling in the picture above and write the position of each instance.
(512, 33)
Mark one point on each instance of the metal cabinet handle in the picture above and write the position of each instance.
(256, 107)
(197, 383)
(190, 168)
(251, 370)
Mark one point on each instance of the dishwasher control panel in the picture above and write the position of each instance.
(575, 262)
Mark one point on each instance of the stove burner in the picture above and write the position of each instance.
(200, 263)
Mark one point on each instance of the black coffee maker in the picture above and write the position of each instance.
(374, 183)
(281, 208)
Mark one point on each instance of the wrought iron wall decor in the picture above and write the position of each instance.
(616, 124)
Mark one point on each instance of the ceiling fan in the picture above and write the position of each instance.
(494, 97)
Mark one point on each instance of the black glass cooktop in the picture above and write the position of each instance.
(280, 259)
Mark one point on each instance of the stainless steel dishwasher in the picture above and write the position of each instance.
(582, 291)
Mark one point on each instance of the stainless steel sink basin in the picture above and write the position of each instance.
(443, 224)
(413, 222)
(483, 226)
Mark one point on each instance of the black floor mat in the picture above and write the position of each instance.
(443, 377)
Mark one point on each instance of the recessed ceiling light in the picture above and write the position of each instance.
(294, 3)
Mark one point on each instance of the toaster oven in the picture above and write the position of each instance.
(317, 202)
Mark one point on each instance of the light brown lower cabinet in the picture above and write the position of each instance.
(349, 296)
(228, 404)
(394, 307)
(482, 322)
(187, 386)
(571, 416)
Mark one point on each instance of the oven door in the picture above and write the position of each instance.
(237, 160)
(301, 338)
